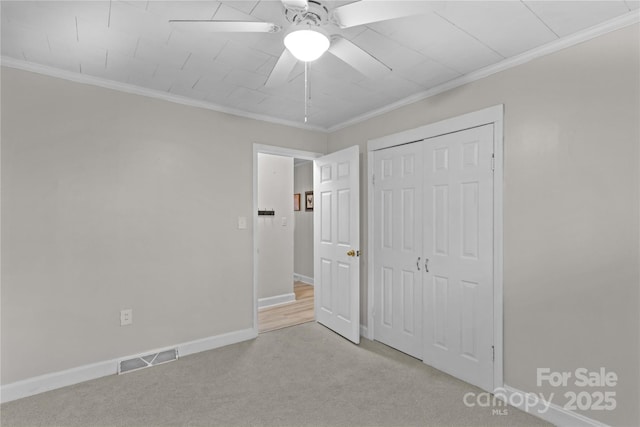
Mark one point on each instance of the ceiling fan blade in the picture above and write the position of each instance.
(296, 4)
(358, 58)
(368, 11)
(281, 71)
(226, 26)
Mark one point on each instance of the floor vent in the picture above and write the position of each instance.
(146, 361)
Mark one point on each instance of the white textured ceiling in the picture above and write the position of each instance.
(132, 42)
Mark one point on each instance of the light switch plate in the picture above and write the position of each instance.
(284, 221)
(242, 223)
(126, 317)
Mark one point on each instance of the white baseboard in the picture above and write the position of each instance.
(52, 381)
(302, 278)
(556, 415)
(55, 380)
(364, 332)
(276, 300)
(216, 341)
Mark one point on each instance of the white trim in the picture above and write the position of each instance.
(278, 151)
(491, 115)
(302, 278)
(52, 381)
(216, 341)
(276, 300)
(286, 152)
(498, 246)
(556, 415)
(142, 91)
(370, 244)
(55, 380)
(620, 22)
(614, 24)
(454, 124)
(364, 332)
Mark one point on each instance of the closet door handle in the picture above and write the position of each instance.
(418, 264)
(426, 265)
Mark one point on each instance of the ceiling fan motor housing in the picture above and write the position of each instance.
(314, 14)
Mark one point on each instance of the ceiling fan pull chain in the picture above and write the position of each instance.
(309, 90)
(306, 92)
(308, 87)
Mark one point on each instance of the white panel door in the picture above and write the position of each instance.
(458, 243)
(398, 247)
(336, 216)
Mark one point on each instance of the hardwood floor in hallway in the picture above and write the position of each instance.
(294, 313)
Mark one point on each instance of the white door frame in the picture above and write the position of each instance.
(491, 115)
(278, 151)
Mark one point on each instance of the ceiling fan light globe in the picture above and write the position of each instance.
(306, 45)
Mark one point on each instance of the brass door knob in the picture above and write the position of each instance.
(351, 253)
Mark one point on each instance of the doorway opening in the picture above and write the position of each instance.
(291, 313)
(283, 237)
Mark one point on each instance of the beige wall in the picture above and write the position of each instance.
(114, 201)
(571, 192)
(274, 273)
(303, 235)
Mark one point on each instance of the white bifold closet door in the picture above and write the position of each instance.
(458, 239)
(398, 248)
(433, 252)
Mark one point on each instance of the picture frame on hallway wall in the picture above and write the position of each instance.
(296, 202)
(308, 200)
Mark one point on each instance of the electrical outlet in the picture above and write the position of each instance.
(126, 317)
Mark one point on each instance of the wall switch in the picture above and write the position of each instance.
(284, 221)
(126, 317)
(242, 223)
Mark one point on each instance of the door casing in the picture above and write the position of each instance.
(491, 115)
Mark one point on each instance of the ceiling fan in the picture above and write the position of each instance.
(308, 38)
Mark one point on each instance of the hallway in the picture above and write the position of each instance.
(290, 314)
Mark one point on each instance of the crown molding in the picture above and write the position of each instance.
(620, 22)
(6, 61)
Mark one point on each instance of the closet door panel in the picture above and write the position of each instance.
(458, 236)
(398, 245)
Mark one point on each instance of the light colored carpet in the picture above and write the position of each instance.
(299, 376)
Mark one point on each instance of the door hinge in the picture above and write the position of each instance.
(493, 162)
(373, 179)
(493, 354)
